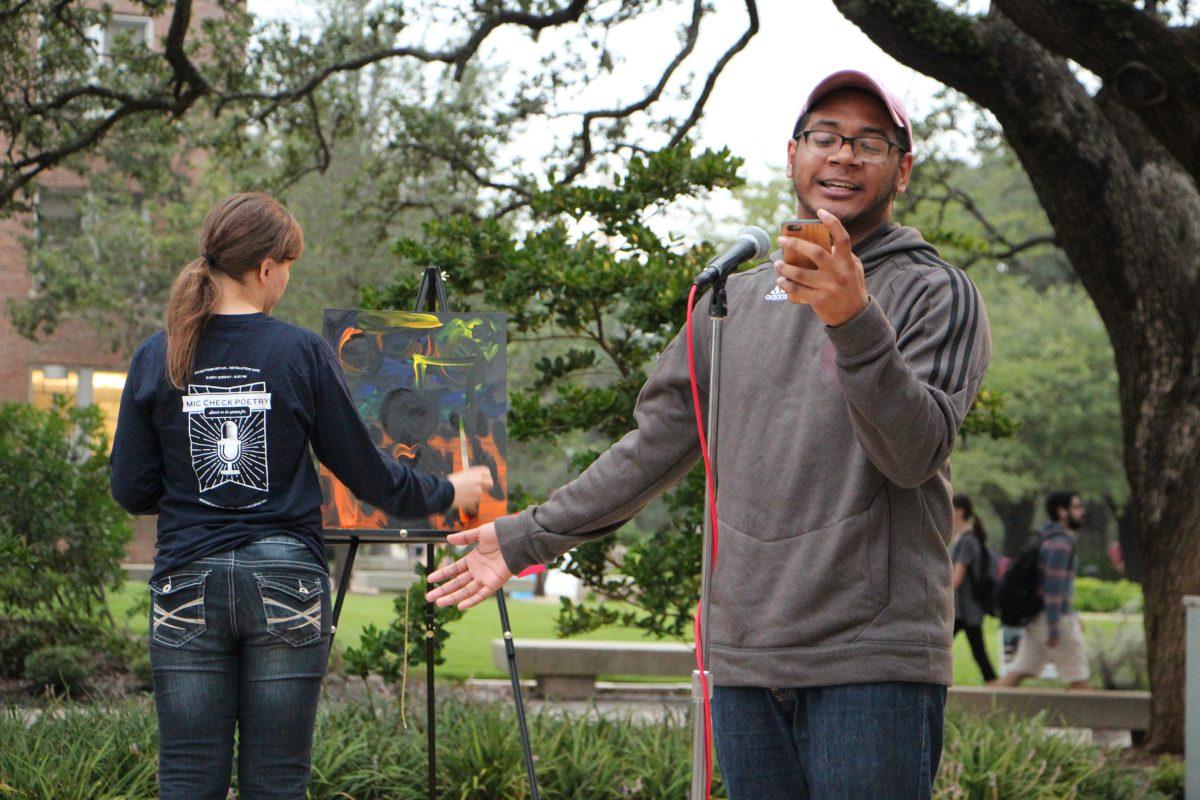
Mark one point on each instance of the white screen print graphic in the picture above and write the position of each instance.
(227, 427)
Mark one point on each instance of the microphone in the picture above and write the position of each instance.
(751, 243)
(229, 448)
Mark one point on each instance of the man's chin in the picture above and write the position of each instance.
(845, 212)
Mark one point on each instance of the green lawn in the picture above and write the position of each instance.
(967, 674)
(468, 650)
(965, 671)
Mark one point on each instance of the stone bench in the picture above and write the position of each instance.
(1086, 708)
(567, 670)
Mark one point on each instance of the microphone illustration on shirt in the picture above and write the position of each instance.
(229, 448)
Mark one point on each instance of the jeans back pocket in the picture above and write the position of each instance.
(292, 604)
(177, 608)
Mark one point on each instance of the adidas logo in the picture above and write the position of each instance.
(776, 295)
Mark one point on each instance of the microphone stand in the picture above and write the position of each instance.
(700, 749)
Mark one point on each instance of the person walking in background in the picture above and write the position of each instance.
(972, 567)
(1056, 634)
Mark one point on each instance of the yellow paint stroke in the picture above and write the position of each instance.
(398, 319)
(465, 329)
(420, 362)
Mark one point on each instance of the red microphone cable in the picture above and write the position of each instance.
(711, 493)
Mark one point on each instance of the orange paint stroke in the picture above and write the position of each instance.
(347, 335)
(401, 451)
(490, 508)
(345, 510)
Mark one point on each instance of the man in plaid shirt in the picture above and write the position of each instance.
(1056, 634)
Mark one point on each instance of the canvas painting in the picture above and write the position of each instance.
(432, 388)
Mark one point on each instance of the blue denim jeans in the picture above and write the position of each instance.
(239, 639)
(881, 741)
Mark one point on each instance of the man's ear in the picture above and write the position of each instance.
(791, 157)
(904, 172)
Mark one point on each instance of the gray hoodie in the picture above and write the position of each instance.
(833, 467)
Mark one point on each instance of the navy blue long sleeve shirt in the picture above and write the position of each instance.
(227, 461)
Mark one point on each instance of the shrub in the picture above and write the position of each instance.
(141, 672)
(994, 757)
(385, 652)
(61, 534)
(77, 752)
(61, 668)
(1093, 594)
(365, 752)
(1117, 655)
(18, 640)
(1167, 777)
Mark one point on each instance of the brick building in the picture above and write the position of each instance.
(72, 361)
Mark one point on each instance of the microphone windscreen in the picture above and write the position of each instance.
(762, 242)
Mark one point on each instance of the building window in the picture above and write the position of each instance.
(85, 386)
(52, 381)
(106, 393)
(58, 215)
(122, 28)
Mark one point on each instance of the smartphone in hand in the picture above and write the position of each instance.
(811, 230)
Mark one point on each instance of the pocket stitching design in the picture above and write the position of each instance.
(170, 587)
(310, 615)
(314, 589)
(160, 614)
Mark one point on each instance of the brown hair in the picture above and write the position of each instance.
(961, 501)
(238, 234)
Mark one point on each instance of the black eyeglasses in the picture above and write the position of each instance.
(870, 149)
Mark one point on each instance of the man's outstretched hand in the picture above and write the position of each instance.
(476, 576)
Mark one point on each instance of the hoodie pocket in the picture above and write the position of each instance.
(819, 587)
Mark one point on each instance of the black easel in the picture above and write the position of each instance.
(431, 280)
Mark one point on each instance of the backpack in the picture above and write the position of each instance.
(1019, 597)
(984, 585)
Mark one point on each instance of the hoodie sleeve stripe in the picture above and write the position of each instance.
(969, 348)
(964, 319)
(954, 301)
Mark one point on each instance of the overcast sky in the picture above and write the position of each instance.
(754, 105)
(798, 43)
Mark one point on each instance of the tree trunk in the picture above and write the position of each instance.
(1117, 174)
(1018, 523)
(1162, 434)
(1173, 564)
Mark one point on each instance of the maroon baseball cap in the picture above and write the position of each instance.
(853, 79)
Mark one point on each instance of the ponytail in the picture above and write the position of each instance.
(238, 234)
(979, 531)
(963, 503)
(193, 300)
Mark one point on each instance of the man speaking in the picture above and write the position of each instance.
(846, 377)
